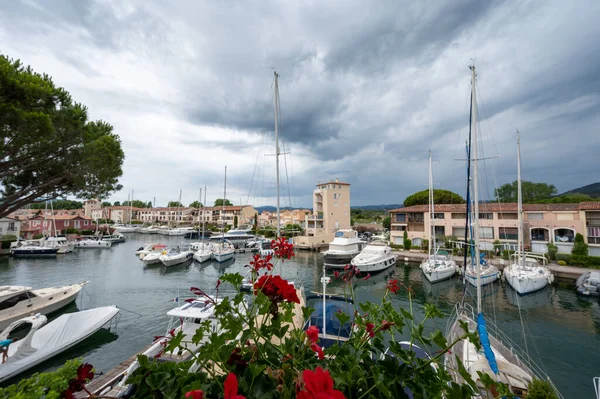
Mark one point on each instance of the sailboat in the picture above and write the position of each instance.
(224, 251)
(438, 266)
(499, 357)
(204, 250)
(525, 275)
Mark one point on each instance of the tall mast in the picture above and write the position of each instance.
(177, 216)
(468, 210)
(53, 219)
(124, 212)
(45, 214)
(223, 209)
(203, 219)
(519, 200)
(131, 208)
(277, 145)
(475, 186)
(431, 210)
(199, 200)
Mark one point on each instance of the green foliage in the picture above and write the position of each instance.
(48, 385)
(38, 236)
(563, 257)
(592, 262)
(507, 253)
(219, 202)
(135, 204)
(235, 221)
(87, 232)
(175, 204)
(579, 246)
(532, 192)
(541, 389)
(407, 242)
(58, 204)
(196, 204)
(439, 197)
(117, 203)
(72, 230)
(387, 222)
(106, 204)
(562, 263)
(105, 221)
(359, 215)
(50, 148)
(552, 250)
(7, 240)
(425, 245)
(292, 230)
(567, 199)
(255, 223)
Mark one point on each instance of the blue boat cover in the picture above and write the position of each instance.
(334, 327)
(485, 342)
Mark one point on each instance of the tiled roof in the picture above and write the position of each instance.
(503, 207)
(61, 217)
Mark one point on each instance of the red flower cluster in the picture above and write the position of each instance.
(312, 333)
(84, 374)
(277, 290)
(371, 330)
(259, 263)
(230, 385)
(317, 384)
(393, 286)
(195, 394)
(235, 359)
(349, 273)
(282, 248)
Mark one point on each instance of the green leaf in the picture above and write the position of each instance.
(256, 369)
(156, 380)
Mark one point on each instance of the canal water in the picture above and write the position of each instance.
(562, 329)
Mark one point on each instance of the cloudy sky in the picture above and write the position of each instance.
(366, 89)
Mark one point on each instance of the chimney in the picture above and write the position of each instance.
(336, 180)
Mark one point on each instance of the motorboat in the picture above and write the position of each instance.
(153, 258)
(237, 237)
(588, 284)
(375, 257)
(526, 274)
(345, 246)
(114, 238)
(265, 248)
(439, 265)
(44, 341)
(93, 242)
(223, 252)
(62, 243)
(19, 301)
(148, 248)
(176, 256)
(178, 231)
(148, 230)
(127, 228)
(31, 249)
(186, 319)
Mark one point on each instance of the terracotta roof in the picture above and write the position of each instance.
(503, 207)
(61, 217)
(164, 208)
(114, 208)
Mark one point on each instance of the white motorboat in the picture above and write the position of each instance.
(238, 237)
(153, 257)
(439, 265)
(31, 249)
(176, 256)
(178, 231)
(127, 228)
(375, 257)
(223, 252)
(345, 246)
(18, 301)
(146, 249)
(42, 343)
(114, 238)
(93, 243)
(525, 275)
(62, 243)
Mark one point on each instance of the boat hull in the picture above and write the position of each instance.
(94, 244)
(527, 283)
(34, 253)
(439, 273)
(376, 265)
(176, 260)
(222, 256)
(338, 260)
(488, 275)
(202, 257)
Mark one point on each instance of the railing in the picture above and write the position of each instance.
(597, 387)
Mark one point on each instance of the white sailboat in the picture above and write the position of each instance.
(499, 357)
(438, 266)
(526, 275)
(224, 251)
(204, 250)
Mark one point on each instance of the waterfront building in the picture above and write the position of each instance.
(331, 212)
(544, 223)
(220, 215)
(187, 215)
(10, 226)
(45, 225)
(287, 217)
(89, 206)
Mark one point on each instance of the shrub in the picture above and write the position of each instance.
(593, 262)
(38, 236)
(552, 250)
(72, 230)
(541, 389)
(87, 232)
(507, 253)
(566, 258)
(579, 247)
(396, 246)
(562, 263)
(407, 242)
(425, 245)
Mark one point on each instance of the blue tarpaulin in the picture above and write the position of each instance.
(485, 342)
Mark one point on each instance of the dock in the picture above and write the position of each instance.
(570, 273)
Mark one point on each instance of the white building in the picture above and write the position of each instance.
(10, 226)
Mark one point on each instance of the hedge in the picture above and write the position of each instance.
(564, 257)
(593, 262)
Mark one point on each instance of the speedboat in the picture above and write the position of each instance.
(345, 246)
(114, 238)
(153, 257)
(265, 248)
(18, 301)
(176, 256)
(527, 275)
(145, 250)
(27, 249)
(237, 237)
(375, 257)
(127, 228)
(64, 246)
(223, 252)
(93, 243)
(43, 342)
(438, 267)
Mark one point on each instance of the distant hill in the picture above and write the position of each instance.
(593, 190)
(378, 207)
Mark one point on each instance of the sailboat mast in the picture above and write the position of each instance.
(519, 200)
(432, 244)
(131, 209)
(277, 146)
(223, 210)
(199, 200)
(468, 210)
(203, 218)
(53, 219)
(475, 186)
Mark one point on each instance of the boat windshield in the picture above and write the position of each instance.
(13, 300)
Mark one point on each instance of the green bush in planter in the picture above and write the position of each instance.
(579, 246)
(552, 250)
(566, 258)
(407, 242)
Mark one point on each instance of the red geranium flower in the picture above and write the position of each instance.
(313, 334)
(368, 276)
(317, 384)
(318, 350)
(231, 388)
(282, 248)
(336, 274)
(370, 329)
(77, 384)
(385, 325)
(85, 372)
(235, 359)
(393, 286)
(258, 263)
(195, 394)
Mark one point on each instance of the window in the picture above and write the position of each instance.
(76, 223)
(486, 232)
(398, 228)
(334, 196)
(535, 216)
(504, 216)
(85, 222)
(593, 235)
(335, 204)
(11, 226)
(564, 216)
(340, 187)
(509, 233)
(438, 215)
(458, 232)
(439, 231)
(563, 235)
(459, 215)
(66, 223)
(486, 216)
(401, 217)
(415, 217)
